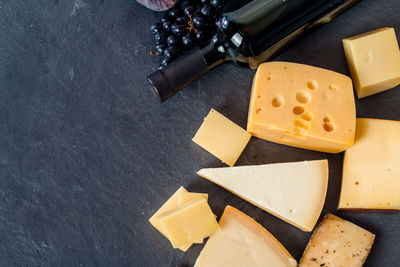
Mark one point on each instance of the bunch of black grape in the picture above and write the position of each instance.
(188, 24)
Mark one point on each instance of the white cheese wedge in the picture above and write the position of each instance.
(294, 192)
(242, 242)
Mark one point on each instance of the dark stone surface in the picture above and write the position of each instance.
(87, 154)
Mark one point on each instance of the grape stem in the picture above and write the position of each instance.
(191, 25)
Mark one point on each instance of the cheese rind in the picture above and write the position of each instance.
(221, 137)
(241, 241)
(294, 192)
(302, 106)
(336, 242)
(371, 169)
(374, 61)
(189, 222)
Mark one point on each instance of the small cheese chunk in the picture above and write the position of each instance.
(337, 242)
(371, 168)
(294, 192)
(302, 106)
(242, 242)
(222, 138)
(374, 61)
(180, 197)
(192, 221)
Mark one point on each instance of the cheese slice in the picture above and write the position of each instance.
(221, 137)
(242, 242)
(174, 201)
(184, 197)
(294, 192)
(337, 242)
(371, 168)
(189, 222)
(374, 61)
(302, 106)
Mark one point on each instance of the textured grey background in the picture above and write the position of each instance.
(87, 154)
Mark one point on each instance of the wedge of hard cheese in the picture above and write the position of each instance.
(180, 197)
(337, 242)
(302, 106)
(371, 168)
(242, 242)
(294, 192)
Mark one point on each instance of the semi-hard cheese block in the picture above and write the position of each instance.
(302, 106)
(337, 242)
(294, 192)
(189, 222)
(374, 61)
(242, 242)
(371, 168)
(178, 198)
(222, 138)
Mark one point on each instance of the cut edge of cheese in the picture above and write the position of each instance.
(171, 203)
(209, 253)
(371, 88)
(351, 181)
(301, 134)
(214, 134)
(180, 211)
(212, 173)
(326, 241)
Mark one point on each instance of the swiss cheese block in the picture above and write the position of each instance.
(374, 61)
(302, 106)
(371, 168)
(178, 198)
(189, 222)
(336, 242)
(294, 192)
(222, 138)
(242, 242)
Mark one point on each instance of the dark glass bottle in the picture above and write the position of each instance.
(250, 32)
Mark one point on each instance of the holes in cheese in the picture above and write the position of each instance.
(223, 138)
(180, 197)
(336, 242)
(374, 61)
(294, 192)
(241, 241)
(371, 169)
(308, 93)
(278, 101)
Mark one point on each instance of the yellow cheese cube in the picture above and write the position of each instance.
(178, 198)
(337, 242)
(242, 242)
(221, 137)
(302, 106)
(371, 168)
(192, 221)
(374, 61)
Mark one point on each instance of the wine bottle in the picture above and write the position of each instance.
(249, 32)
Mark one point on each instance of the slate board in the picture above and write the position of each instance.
(87, 154)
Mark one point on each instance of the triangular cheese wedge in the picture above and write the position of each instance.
(294, 192)
(241, 241)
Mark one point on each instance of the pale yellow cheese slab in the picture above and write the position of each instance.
(371, 168)
(189, 222)
(294, 191)
(222, 138)
(336, 242)
(242, 242)
(175, 200)
(374, 61)
(302, 106)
